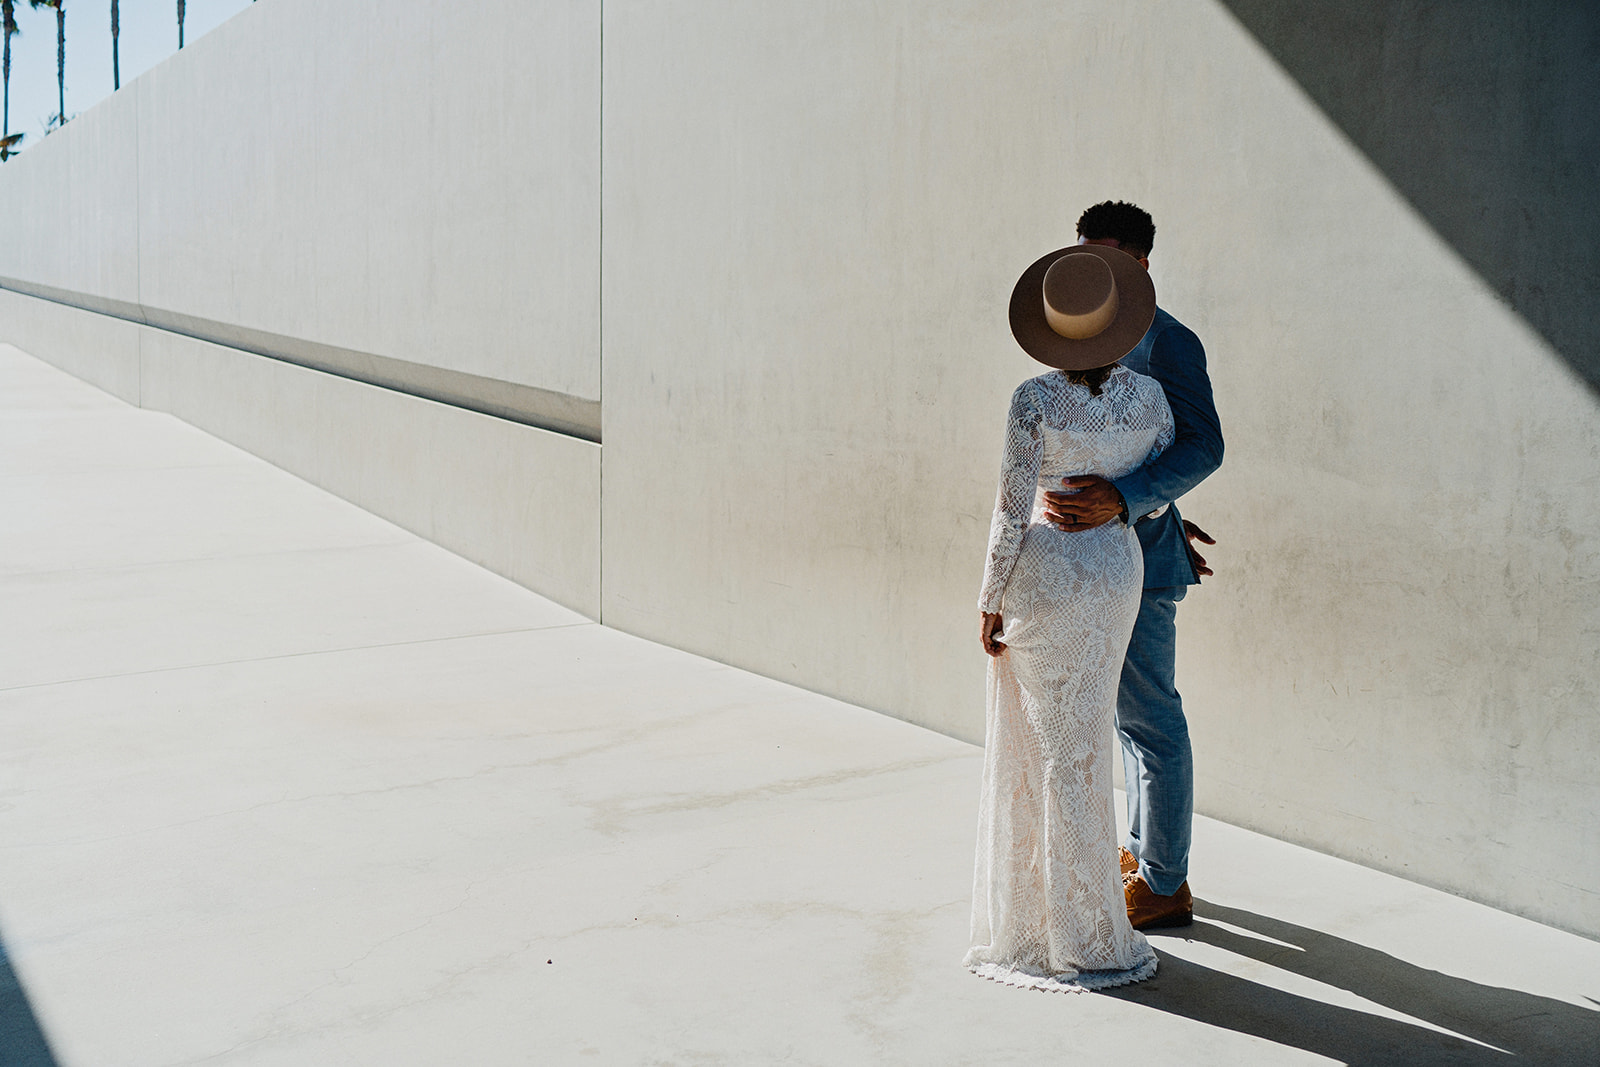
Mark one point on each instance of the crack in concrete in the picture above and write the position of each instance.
(612, 816)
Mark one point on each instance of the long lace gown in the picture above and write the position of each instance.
(1047, 902)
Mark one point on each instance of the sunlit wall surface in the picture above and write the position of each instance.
(701, 304)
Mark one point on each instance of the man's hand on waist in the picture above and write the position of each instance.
(1084, 502)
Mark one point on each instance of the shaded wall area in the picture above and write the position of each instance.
(1483, 115)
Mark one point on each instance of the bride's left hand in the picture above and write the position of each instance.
(990, 634)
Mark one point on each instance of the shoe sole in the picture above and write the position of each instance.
(1167, 922)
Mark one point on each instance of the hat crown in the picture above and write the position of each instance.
(1082, 306)
(1080, 296)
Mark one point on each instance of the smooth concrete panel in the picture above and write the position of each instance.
(1482, 115)
(102, 350)
(1412, 580)
(803, 417)
(521, 501)
(1398, 660)
(809, 403)
(373, 177)
(71, 204)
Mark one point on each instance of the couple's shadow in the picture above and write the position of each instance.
(1537, 1029)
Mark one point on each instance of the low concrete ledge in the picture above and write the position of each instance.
(520, 500)
(529, 405)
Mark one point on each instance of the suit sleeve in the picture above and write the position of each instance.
(1178, 362)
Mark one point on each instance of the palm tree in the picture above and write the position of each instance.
(61, 53)
(180, 23)
(116, 74)
(8, 16)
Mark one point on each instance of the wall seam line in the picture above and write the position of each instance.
(138, 238)
(600, 326)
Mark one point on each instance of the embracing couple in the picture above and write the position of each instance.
(1087, 560)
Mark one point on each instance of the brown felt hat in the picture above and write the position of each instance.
(1083, 306)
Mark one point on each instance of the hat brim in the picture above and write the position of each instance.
(1136, 310)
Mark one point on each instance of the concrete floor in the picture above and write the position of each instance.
(284, 784)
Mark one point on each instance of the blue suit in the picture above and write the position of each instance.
(1157, 761)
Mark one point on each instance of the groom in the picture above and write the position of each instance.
(1157, 763)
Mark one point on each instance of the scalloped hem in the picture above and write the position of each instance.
(1064, 981)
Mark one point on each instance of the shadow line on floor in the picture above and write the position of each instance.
(22, 1040)
(1511, 1024)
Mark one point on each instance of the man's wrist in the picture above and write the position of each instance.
(1132, 493)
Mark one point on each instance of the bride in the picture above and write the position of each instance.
(1058, 608)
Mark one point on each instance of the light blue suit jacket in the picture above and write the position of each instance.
(1172, 355)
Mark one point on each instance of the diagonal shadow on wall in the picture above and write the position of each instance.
(22, 1042)
(1483, 114)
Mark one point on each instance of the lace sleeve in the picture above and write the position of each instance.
(1013, 505)
(1165, 434)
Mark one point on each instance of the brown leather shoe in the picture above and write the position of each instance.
(1129, 864)
(1147, 911)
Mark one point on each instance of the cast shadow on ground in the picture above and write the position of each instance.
(1519, 1026)
(1481, 113)
(22, 1042)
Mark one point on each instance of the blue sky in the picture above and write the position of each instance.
(149, 34)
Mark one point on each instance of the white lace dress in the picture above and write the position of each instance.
(1047, 902)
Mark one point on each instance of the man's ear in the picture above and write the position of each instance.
(1144, 261)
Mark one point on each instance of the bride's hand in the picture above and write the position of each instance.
(990, 634)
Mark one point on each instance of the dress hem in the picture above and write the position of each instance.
(1064, 981)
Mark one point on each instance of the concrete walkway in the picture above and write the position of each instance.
(283, 784)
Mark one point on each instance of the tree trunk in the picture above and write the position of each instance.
(180, 23)
(116, 73)
(61, 63)
(5, 16)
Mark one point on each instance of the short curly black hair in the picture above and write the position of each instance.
(1127, 224)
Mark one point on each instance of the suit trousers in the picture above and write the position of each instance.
(1158, 765)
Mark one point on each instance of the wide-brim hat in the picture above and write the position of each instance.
(1083, 306)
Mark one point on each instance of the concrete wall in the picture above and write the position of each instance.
(812, 217)
(1397, 661)
(522, 501)
(433, 183)
(439, 238)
